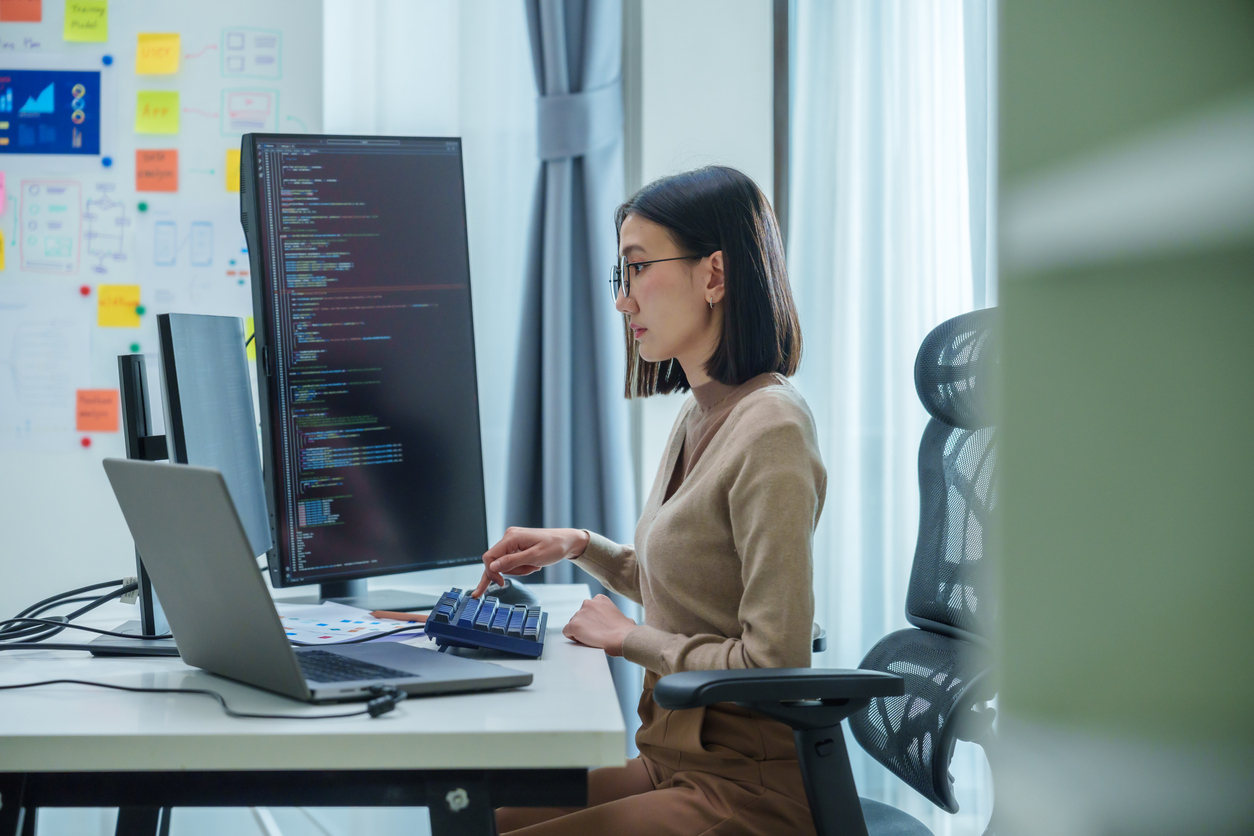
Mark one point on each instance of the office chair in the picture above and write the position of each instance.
(919, 690)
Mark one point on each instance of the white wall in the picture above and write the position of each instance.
(706, 98)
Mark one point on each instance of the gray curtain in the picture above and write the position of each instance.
(569, 457)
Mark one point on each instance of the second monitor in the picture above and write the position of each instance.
(366, 359)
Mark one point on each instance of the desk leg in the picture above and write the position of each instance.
(13, 812)
(143, 821)
(460, 808)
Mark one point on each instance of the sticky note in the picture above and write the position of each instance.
(117, 305)
(232, 170)
(248, 338)
(157, 170)
(1, 251)
(157, 112)
(157, 53)
(3, 205)
(21, 11)
(96, 411)
(87, 20)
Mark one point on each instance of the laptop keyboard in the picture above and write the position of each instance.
(321, 666)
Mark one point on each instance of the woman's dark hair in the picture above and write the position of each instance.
(720, 208)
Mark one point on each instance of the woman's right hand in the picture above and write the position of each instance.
(525, 550)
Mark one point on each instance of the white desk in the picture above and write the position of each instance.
(70, 745)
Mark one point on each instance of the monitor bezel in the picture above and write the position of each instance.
(250, 216)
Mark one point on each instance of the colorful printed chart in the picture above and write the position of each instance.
(330, 623)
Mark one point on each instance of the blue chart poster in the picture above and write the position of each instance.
(49, 112)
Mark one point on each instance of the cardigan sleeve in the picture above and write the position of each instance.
(612, 564)
(775, 498)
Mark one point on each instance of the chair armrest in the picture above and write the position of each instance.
(693, 689)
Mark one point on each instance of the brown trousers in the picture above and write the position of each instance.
(646, 798)
(721, 770)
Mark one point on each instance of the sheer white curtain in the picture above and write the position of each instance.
(438, 68)
(880, 251)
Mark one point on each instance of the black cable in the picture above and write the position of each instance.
(61, 595)
(250, 339)
(65, 626)
(387, 700)
(9, 632)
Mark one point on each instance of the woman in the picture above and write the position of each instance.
(722, 556)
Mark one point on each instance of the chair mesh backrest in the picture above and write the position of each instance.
(909, 734)
(950, 593)
(950, 588)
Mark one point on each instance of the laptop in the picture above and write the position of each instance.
(196, 552)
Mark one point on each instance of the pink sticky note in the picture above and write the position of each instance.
(2, 206)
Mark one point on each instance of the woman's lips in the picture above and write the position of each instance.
(636, 330)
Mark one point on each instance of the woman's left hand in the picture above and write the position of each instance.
(600, 624)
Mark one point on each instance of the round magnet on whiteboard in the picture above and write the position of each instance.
(85, 441)
(106, 161)
(143, 207)
(134, 348)
(85, 290)
(139, 310)
(108, 60)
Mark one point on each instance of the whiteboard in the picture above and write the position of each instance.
(79, 236)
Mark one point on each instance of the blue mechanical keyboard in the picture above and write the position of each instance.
(461, 621)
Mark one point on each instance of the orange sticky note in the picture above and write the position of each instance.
(96, 411)
(157, 170)
(157, 53)
(21, 11)
(232, 169)
(157, 112)
(117, 305)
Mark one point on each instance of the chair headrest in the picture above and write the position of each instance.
(957, 368)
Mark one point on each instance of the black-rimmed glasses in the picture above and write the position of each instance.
(621, 281)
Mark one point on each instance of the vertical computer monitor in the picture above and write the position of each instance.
(209, 416)
(366, 359)
(209, 422)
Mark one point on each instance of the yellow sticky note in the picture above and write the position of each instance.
(1, 251)
(157, 53)
(232, 169)
(86, 20)
(248, 337)
(117, 305)
(157, 112)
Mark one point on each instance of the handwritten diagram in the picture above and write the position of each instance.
(106, 226)
(50, 225)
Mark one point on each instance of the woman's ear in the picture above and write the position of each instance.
(715, 287)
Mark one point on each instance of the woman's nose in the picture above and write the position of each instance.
(625, 304)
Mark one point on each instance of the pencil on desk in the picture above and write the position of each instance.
(420, 617)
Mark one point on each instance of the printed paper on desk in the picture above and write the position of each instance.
(329, 623)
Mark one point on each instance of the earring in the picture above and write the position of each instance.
(711, 301)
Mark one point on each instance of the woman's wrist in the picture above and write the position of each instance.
(578, 544)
